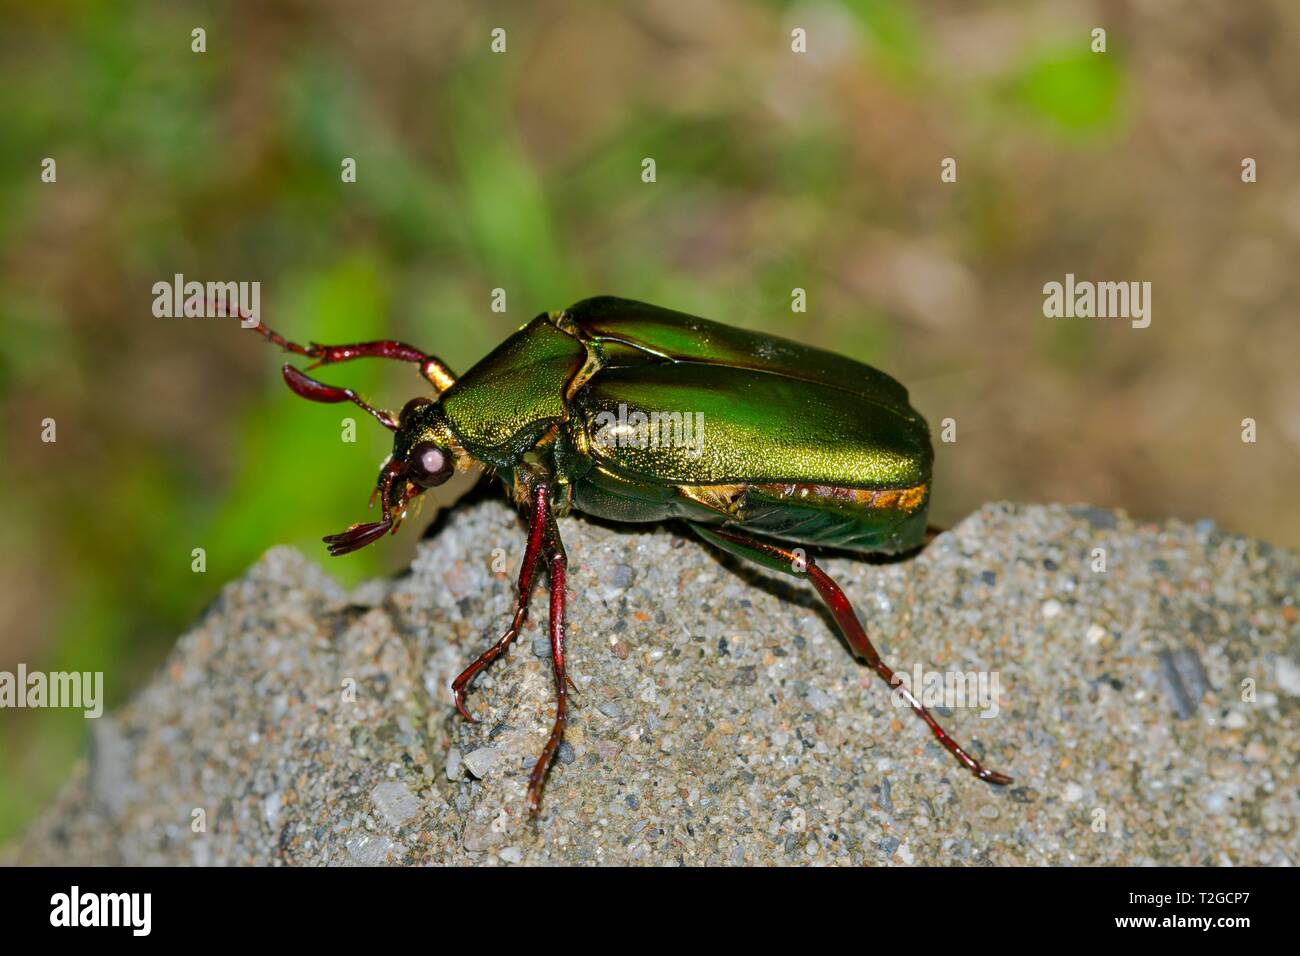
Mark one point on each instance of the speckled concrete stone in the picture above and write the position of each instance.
(1148, 711)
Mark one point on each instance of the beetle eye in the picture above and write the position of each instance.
(430, 465)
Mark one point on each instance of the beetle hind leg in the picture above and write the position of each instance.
(781, 559)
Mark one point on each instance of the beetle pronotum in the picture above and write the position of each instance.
(805, 446)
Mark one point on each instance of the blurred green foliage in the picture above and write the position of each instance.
(1074, 90)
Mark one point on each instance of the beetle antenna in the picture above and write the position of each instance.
(434, 370)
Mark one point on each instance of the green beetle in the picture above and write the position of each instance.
(634, 413)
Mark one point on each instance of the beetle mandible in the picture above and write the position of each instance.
(805, 447)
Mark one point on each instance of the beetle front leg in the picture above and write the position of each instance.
(780, 559)
(557, 564)
(536, 533)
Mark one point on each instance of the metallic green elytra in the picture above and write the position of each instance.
(635, 413)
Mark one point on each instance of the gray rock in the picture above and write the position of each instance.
(1148, 713)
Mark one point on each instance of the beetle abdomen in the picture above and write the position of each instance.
(855, 519)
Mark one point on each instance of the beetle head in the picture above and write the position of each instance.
(425, 455)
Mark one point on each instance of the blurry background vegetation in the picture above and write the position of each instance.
(522, 171)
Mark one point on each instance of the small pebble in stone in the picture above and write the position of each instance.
(610, 708)
(271, 807)
(1235, 720)
(512, 854)
(367, 849)
(1073, 793)
(480, 762)
(1216, 801)
(394, 802)
(889, 845)
(541, 647)
(564, 753)
(1051, 608)
(818, 699)
(452, 768)
(1288, 676)
(1096, 634)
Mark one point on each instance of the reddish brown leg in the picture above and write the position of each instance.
(536, 531)
(781, 559)
(556, 564)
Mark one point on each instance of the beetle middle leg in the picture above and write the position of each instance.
(781, 559)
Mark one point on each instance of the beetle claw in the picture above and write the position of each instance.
(460, 706)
